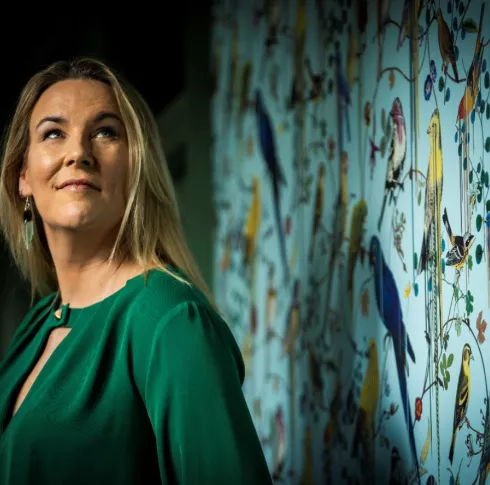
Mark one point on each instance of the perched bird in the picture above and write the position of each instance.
(352, 58)
(269, 152)
(343, 98)
(359, 214)
(395, 478)
(462, 395)
(293, 322)
(446, 44)
(298, 55)
(458, 254)
(339, 227)
(368, 402)
(307, 475)
(484, 467)
(390, 311)
(252, 224)
(278, 441)
(433, 188)
(406, 24)
(318, 209)
(396, 158)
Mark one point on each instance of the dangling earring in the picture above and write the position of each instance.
(28, 224)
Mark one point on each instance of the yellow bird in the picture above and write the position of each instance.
(462, 396)
(368, 402)
(318, 209)
(434, 185)
(252, 223)
(359, 214)
(352, 56)
(307, 476)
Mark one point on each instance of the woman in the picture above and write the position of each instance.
(123, 372)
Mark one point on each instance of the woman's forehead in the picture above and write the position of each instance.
(75, 97)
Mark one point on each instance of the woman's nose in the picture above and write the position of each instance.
(79, 152)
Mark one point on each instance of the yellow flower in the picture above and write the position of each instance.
(408, 290)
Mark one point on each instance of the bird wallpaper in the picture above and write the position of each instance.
(351, 158)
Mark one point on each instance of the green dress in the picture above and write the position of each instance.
(145, 389)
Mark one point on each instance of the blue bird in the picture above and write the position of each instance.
(269, 152)
(390, 311)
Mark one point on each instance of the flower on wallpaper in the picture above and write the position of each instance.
(408, 290)
(428, 88)
(418, 408)
(481, 326)
(433, 71)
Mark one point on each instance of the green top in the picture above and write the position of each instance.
(145, 388)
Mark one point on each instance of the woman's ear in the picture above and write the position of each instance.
(24, 187)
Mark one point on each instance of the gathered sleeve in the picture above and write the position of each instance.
(194, 399)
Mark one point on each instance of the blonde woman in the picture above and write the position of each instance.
(123, 372)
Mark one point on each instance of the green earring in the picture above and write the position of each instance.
(28, 224)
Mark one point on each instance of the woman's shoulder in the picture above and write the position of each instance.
(164, 295)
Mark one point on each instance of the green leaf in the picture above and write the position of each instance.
(478, 167)
(456, 292)
(469, 303)
(479, 220)
(441, 84)
(487, 80)
(450, 360)
(445, 384)
(471, 177)
(444, 362)
(479, 254)
(487, 144)
(457, 327)
(460, 152)
(487, 111)
(448, 377)
(415, 260)
(486, 179)
(383, 119)
(419, 198)
(470, 262)
(470, 25)
(441, 366)
(487, 205)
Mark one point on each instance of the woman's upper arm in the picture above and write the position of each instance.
(193, 395)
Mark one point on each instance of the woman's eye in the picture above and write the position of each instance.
(106, 133)
(52, 134)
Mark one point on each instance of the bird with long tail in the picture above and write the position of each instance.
(390, 311)
(269, 153)
(433, 199)
(446, 46)
(396, 158)
(338, 230)
(458, 254)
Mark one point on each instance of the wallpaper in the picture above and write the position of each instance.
(351, 161)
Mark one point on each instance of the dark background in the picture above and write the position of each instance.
(147, 48)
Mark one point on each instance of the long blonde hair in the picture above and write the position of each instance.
(151, 232)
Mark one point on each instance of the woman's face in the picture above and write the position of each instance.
(76, 132)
